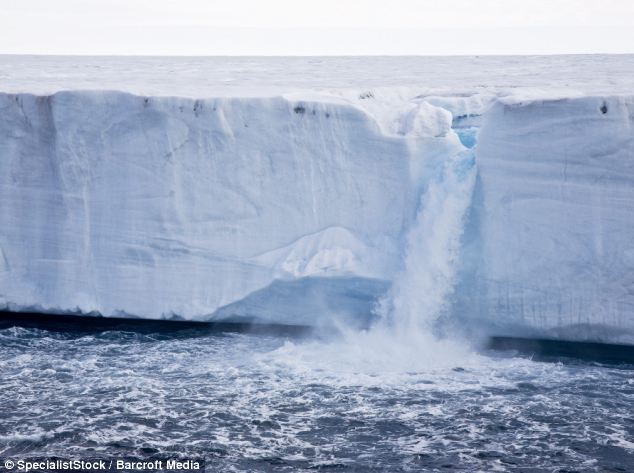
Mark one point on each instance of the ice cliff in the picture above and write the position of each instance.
(555, 218)
(305, 208)
(117, 203)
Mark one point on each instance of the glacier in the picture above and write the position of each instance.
(555, 212)
(120, 204)
(498, 210)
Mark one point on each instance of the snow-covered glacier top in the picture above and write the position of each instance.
(203, 77)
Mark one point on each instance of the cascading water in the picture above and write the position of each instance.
(421, 291)
(404, 339)
(442, 180)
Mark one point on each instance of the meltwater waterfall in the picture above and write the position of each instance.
(420, 292)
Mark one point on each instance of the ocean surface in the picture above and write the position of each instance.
(359, 402)
(203, 77)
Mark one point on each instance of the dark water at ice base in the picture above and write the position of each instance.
(257, 403)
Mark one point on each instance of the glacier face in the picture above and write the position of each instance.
(555, 218)
(118, 203)
(311, 208)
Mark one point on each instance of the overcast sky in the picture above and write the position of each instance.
(316, 27)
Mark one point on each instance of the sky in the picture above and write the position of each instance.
(316, 27)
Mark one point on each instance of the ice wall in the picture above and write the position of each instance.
(555, 219)
(114, 203)
(308, 207)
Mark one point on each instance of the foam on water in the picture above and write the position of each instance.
(253, 403)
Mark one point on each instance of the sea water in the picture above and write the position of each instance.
(264, 403)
